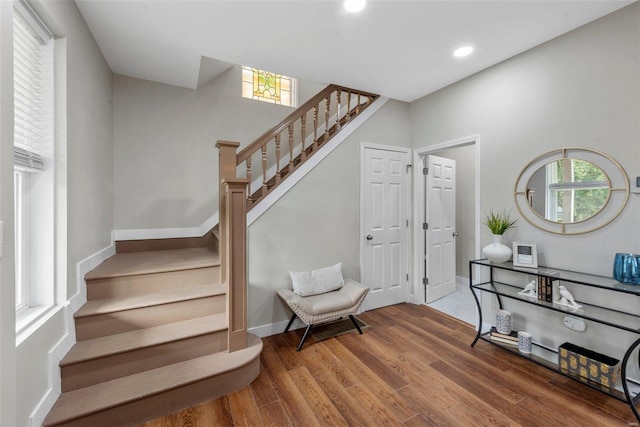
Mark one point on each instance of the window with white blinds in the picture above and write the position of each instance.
(33, 89)
(34, 168)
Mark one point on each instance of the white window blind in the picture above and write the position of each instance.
(32, 95)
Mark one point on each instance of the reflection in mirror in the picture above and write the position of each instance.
(568, 190)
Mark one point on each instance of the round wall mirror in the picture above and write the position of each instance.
(571, 191)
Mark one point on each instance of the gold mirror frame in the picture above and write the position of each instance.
(618, 191)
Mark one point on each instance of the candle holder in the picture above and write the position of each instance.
(626, 268)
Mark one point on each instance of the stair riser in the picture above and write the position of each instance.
(101, 325)
(141, 410)
(144, 284)
(108, 368)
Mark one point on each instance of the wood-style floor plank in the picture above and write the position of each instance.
(325, 411)
(413, 366)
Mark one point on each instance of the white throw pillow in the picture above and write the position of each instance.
(320, 281)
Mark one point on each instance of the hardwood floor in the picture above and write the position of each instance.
(412, 367)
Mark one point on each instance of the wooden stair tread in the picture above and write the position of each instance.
(132, 340)
(85, 401)
(110, 305)
(135, 263)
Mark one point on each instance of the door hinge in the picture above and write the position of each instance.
(425, 171)
(425, 281)
(407, 277)
(425, 225)
(407, 223)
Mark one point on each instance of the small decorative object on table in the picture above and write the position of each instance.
(566, 298)
(509, 339)
(498, 224)
(589, 365)
(531, 290)
(525, 255)
(525, 344)
(626, 268)
(503, 322)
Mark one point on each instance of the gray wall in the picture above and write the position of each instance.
(581, 89)
(88, 186)
(317, 223)
(166, 163)
(578, 90)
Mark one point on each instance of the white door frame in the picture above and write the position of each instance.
(419, 203)
(363, 232)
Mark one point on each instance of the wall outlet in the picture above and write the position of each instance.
(575, 323)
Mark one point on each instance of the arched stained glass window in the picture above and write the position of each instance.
(268, 87)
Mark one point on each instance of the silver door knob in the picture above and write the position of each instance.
(369, 237)
(455, 234)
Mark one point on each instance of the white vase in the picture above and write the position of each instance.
(496, 251)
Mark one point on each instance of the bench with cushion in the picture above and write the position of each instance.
(322, 295)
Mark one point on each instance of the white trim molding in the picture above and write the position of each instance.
(69, 338)
(419, 203)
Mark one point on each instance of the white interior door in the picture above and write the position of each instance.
(440, 225)
(384, 229)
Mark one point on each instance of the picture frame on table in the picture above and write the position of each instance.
(525, 255)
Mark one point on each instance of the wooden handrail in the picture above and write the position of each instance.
(292, 118)
(329, 110)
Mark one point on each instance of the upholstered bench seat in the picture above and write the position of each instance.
(325, 307)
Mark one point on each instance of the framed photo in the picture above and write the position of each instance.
(525, 255)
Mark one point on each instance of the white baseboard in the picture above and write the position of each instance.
(167, 233)
(67, 341)
(275, 328)
(82, 268)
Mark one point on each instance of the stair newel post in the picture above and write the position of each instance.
(234, 248)
(227, 165)
(227, 169)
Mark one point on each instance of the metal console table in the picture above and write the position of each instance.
(621, 320)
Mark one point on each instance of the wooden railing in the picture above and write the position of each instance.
(280, 151)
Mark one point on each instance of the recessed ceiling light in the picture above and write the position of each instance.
(354, 6)
(463, 51)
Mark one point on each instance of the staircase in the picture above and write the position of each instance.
(165, 323)
(151, 339)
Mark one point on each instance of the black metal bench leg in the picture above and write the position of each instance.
(353, 319)
(304, 337)
(290, 323)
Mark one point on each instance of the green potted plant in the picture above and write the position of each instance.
(498, 223)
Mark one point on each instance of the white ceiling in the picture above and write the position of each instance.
(397, 48)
